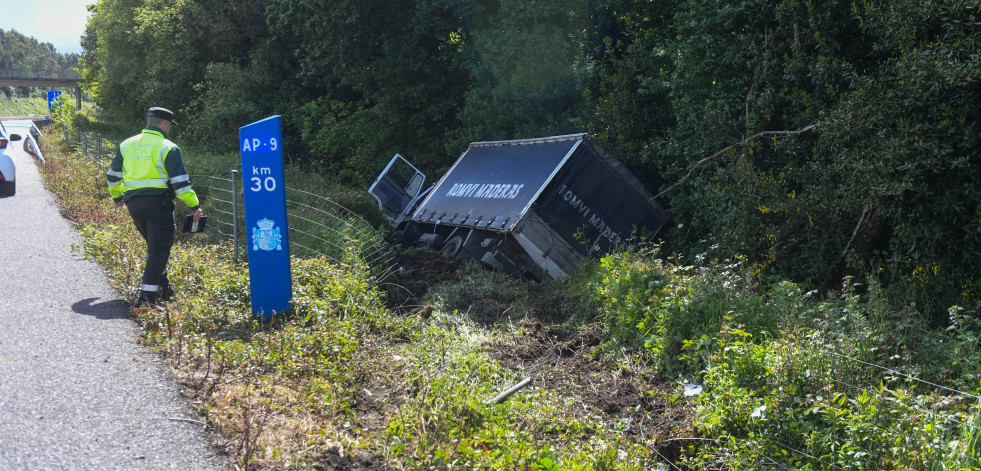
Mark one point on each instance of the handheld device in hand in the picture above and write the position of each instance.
(190, 225)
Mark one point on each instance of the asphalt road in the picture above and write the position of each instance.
(76, 389)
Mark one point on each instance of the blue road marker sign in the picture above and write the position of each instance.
(53, 98)
(270, 280)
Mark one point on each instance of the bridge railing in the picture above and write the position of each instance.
(39, 74)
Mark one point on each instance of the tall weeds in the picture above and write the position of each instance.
(843, 380)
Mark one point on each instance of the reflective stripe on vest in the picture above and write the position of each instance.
(145, 183)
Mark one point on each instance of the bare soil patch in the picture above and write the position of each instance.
(561, 359)
(334, 460)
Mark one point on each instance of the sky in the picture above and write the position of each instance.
(59, 22)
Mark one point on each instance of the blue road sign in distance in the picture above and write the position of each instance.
(53, 98)
(270, 280)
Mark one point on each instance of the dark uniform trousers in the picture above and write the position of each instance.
(154, 218)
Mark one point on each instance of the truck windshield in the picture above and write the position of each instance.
(397, 186)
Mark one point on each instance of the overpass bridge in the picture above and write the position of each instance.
(43, 79)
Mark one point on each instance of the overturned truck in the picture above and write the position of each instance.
(532, 207)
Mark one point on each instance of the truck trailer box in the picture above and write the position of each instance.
(530, 206)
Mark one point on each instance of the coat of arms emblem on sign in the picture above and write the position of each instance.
(267, 236)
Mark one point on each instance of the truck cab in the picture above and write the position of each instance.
(398, 189)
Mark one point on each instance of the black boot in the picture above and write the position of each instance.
(166, 292)
(147, 298)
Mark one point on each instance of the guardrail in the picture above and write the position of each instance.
(40, 121)
(31, 147)
(318, 226)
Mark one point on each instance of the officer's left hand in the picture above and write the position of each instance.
(197, 213)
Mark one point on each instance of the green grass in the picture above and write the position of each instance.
(38, 106)
(351, 378)
(23, 106)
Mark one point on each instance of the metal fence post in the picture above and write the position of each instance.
(235, 214)
(98, 147)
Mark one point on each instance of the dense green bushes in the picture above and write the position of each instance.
(792, 377)
(884, 180)
(677, 310)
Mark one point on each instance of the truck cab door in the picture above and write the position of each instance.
(398, 189)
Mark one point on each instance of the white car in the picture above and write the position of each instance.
(8, 172)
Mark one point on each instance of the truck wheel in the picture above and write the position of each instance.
(396, 237)
(490, 260)
(432, 241)
(452, 246)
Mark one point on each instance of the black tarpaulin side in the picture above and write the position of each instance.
(595, 203)
(492, 183)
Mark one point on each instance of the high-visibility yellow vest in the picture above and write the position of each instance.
(143, 160)
(141, 168)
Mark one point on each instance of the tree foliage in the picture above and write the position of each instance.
(23, 53)
(384, 76)
(888, 178)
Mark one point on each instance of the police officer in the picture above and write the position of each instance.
(145, 175)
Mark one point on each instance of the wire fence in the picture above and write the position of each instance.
(318, 226)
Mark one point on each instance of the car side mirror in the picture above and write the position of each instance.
(15, 137)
